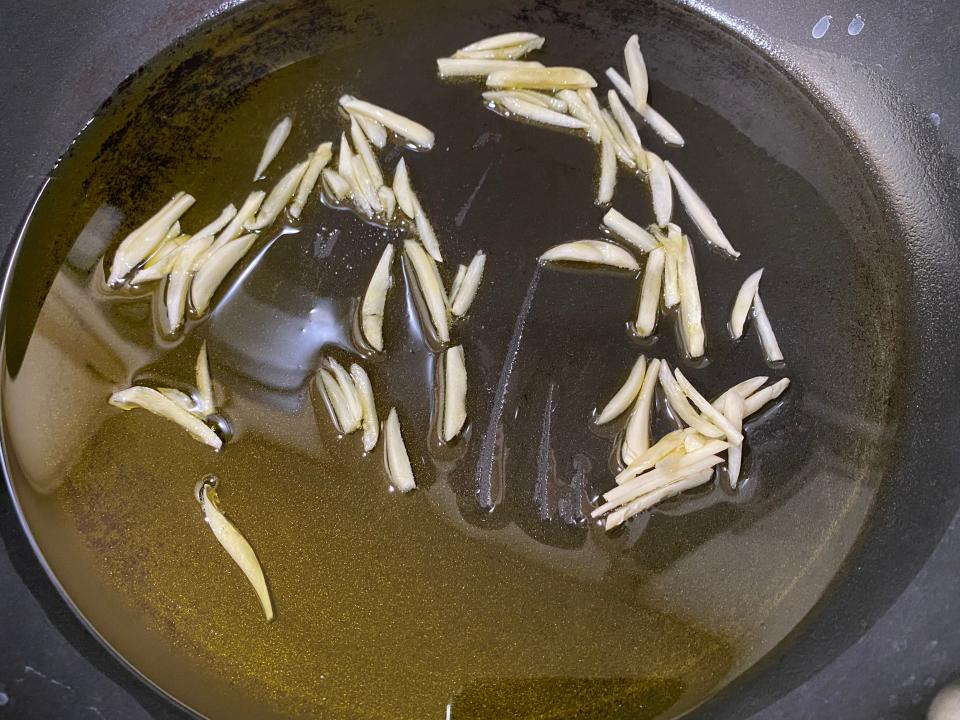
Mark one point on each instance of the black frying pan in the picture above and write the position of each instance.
(876, 255)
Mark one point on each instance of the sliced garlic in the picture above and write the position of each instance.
(693, 479)
(712, 415)
(661, 192)
(628, 230)
(699, 212)
(431, 287)
(353, 411)
(362, 146)
(234, 229)
(457, 282)
(608, 172)
(477, 67)
(345, 160)
(627, 393)
(462, 297)
(649, 458)
(504, 40)
(578, 109)
(402, 126)
(335, 184)
(395, 453)
(374, 299)
(236, 546)
(597, 252)
(454, 392)
(678, 401)
(141, 242)
(178, 284)
(426, 232)
(368, 407)
(275, 141)
(650, 293)
(636, 71)
(744, 389)
(623, 151)
(691, 314)
(375, 132)
(182, 399)
(636, 436)
(153, 401)
(542, 78)
(279, 196)
(388, 201)
(208, 278)
(659, 124)
(733, 411)
(365, 188)
(161, 262)
(318, 160)
(537, 113)
(760, 398)
(627, 128)
(403, 190)
(768, 340)
(743, 303)
(551, 102)
(206, 406)
(336, 401)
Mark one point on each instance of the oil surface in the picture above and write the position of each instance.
(483, 594)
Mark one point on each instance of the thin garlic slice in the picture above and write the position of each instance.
(628, 230)
(510, 52)
(578, 109)
(388, 200)
(374, 300)
(620, 145)
(542, 78)
(657, 122)
(661, 192)
(762, 397)
(661, 449)
(627, 393)
(636, 436)
(336, 402)
(365, 188)
(678, 401)
(691, 313)
(551, 102)
(353, 410)
(537, 113)
(744, 389)
(218, 224)
(671, 283)
(236, 546)
(335, 184)
(693, 479)
(768, 340)
(479, 67)
(597, 252)
(318, 160)
(395, 454)
(699, 212)
(208, 278)
(279, 196)
(161, 262)
(362, 146)
(712, 415)
(403, 190)
(375, 132)
(278, 136)
(627, 128)
(178, 284)
(141, 242)
(457, 282)
(608, 172)
(733, 411)
(636, 71)
(426, 232)
(454, 392)
(153, 401)
(345, 160)
(650, 293)
(743, 303)
(206, 406)
(431, 287)
(503, 40)
(413, 131)
(368, 407)
(234, 229)
(180, 398)
(462, 297)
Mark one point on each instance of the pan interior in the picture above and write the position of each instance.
(434, 603)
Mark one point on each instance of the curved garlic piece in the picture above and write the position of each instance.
(623, 150)
(636, 71)
(463, 295)
(537, 113)
(608, 172)
(368, 407)
(318, 160)
(551, 102)
(479, 67)
(650, 293)
(403, 190)
(627, 127)
(657, 122)
(597, 252)
(218, 224)
(374, 299)
(208, 278)
(279, 196)
(712, 415)
(508, 52)
(375, 132)
(692, 480)
(362, 147)
(768, 340)
(234, 228)
(542, 78)
(365, 187)
(661, 192)
(636, 436)
(431, 287)
(275, 141)
(678, 401)
(454, 392)
(743, 303)
(744, 389)
(353, 412)
(627, 393)
(236, 546)
(142, 241)
(762, 397)
(153, 401)
(733, 411)
(457, 282)
(503, 40)
(337, 402)
(578, 109)
(206, 405)
(388, 201)
(180, 398)
(426, 233)
(395, 454)
(402, 126)
(178, 285)
(699, 212)
(628, 230)
(335, 184)
(691, 314)
(661, 449)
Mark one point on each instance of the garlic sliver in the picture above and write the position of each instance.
(454, 392)
(275, 141)
(509, 52)
(457, 282)
(431, 287)
(365, 188)
(659, 124)
(236, 546)
(628, 230)
(178, 285)
(579, 110)
(733, 410)
(636, 436)
(375, 132)
(336, 401)
(699, 212)
(678, 401)
(180, 398)
(395, 453)
(762, 397)
(204, 383)
(208, 278)
(503, 40)
(335, 184)
(691, 314)
(153, 401)
(388, 201)
(597, 252)
(318, 160)
(627, 127)
(647, 459)
(768, 340)
(426, 233)
(362, 147)
(234, 228)
(743, 303)
(537, 113)
(368, 407)
(462, 298)
(141, 242)
(627, 393)
(403, 190)
(712, 415)
(402, 126)
(650, 293)
(608, 172)
(661, 192)
(744, 389)
(695, 479)
(353, 409)
(543, 78)
(374, 299)
(636, 71)
(279, 196)
(478, 67)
